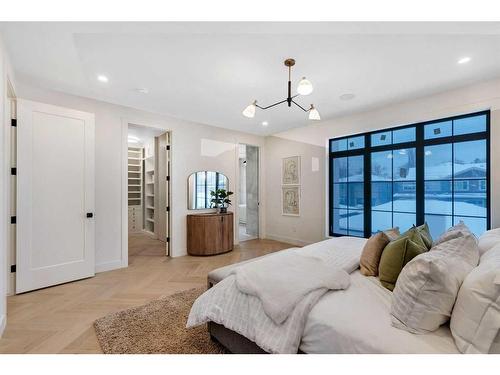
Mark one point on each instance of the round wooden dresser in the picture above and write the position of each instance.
(210, 233)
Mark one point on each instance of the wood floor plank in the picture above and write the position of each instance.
(60, 319)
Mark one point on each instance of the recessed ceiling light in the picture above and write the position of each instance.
(102, 78)
(142, 90)
(265, 123)
(464, 60)
(347, 96)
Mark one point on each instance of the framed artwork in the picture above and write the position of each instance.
(290, 200)
(290, 171)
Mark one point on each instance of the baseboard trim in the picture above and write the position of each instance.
(291, 241)
(3, 323)
(109, 266)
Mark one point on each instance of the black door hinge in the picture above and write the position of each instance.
(13, 122)
(13, 171)
(12, 219)
(168, 239)
(168, 209)
(168, 178)
(168, 148)
(13, 268)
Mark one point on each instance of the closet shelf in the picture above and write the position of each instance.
(150, 220)
(150, 207)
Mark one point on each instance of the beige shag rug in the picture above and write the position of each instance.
(157, 327)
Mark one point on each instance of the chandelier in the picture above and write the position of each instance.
(304, 88)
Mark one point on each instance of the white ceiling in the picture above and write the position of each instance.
(208, 72)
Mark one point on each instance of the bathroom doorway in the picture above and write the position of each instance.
(248, 192)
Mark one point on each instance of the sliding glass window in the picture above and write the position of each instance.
(435, 171)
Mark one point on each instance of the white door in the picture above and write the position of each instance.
(55, 195)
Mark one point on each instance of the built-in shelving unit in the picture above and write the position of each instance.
(135, 188)
(149, 201)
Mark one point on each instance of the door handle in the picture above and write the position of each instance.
(90, 215)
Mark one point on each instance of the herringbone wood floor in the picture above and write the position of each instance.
(59, 319)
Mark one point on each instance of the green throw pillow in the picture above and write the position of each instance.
(425, 234)
(414, 234)
(395, 256)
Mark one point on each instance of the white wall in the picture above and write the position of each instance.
(194, 147)
(309, 226)
(6, 74)
(481, 96)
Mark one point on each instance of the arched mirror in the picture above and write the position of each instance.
(200, 184)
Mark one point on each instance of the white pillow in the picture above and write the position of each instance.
(475, 321)
(428, 285)
(455, 231)
(489, 239)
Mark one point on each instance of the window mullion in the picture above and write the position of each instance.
(367, 187)
(420, 176)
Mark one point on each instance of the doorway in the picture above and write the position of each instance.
(148, 188)
(248, 192)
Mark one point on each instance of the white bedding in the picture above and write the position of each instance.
(281, 280)
(243, 313)
(358, 320)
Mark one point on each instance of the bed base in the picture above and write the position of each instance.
(233, 342)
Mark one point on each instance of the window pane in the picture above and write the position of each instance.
(404, 196)
(356, 168)
(381, 221)
(469, 125)
(437, 130)
(470, 197)
(356, 223)
(340, 221)
(356, 142)
(403, 135)
(438, 162)
(338, 145)
(438, 197)
(476, 225)
(384, 138)
(404, 221)
(404, 164)
(438, 224)
(339, 195)
(340, 170)
(382, 166)
(382, 196)
(470, 159)
(356, 195)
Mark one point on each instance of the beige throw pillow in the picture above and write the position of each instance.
(392, 234)
(428, 285)
(370, 257)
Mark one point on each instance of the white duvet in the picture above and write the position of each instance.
(245, 313)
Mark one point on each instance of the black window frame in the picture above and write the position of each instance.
(419, 144)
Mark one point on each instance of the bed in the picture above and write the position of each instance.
(331, 328)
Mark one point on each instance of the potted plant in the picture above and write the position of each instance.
(220, 199)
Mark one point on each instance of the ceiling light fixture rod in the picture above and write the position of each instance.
(305, 88)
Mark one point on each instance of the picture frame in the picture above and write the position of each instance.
(290, 200)
(290, 170)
